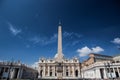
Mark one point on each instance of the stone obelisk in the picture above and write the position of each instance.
(59, 55)
(59, 39)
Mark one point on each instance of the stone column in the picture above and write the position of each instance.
(63, 71)
(105, 74)
(73, 71)
(13, 73)
(48, 70)
(18, 75)
(53, 71)
(79, 71)
(43, 70)
(114, 75)
(21, 72)
(68, 70)
(39, 72)
(118, 71)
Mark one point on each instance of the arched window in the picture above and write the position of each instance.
(76, 73)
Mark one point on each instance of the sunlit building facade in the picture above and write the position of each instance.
(101, 67)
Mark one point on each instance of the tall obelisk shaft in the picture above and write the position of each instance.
(59, 40)
(59, 56)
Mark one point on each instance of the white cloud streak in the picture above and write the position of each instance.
(74, 38)
(71, 34)
(116, 41)
(52, 39)
(85, 50)
(44, 40)
(14, 30)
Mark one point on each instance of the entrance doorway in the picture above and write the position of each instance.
(117, 74)
(76, 73)
(102, 73)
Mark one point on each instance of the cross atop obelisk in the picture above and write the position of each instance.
(59, 55)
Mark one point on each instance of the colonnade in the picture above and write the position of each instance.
(8, 72)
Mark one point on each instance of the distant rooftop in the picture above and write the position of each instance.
(100, 55)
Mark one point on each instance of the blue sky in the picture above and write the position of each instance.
(28, 28)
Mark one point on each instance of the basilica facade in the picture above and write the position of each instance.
(59, 67)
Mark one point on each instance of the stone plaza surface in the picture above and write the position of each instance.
(63, 79)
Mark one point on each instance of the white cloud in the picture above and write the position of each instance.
(36, 39)
(44, 40)
(116, 41)
(85, 50)
(71, 34)
(14, 30)
(66, 34)
(75, 42)
(73, 38)
(97, 49)
(53, 38)
(34, 65)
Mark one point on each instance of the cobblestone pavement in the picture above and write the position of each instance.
(62, 79)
